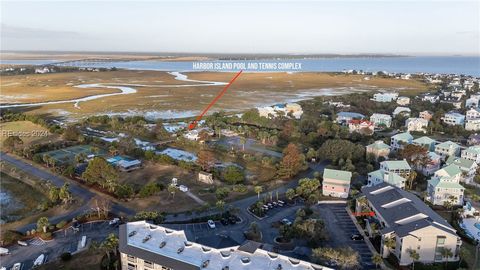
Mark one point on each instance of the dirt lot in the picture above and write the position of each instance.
(249, 90)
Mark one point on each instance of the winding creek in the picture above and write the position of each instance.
(125, 89)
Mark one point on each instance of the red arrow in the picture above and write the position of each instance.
(194, 123)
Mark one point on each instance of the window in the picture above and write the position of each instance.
(131, 266)
(148, 264)
(441, 240)
(131, 259)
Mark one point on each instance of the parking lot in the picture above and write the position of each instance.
(341, 227)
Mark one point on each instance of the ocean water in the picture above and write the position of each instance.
(429, 64)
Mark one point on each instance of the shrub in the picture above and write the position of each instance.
(46, 236)
(240, 188)
(66, 256)
(61, 224)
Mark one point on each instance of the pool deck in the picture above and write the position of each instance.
(469, 225)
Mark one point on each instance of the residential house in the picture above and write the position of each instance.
(381, 120)
(433, 165)
(416, 124)
(431, 98)
(378, 149)
(474, 139)
(412, 225)
(336, 183)
(205, 177)
(361, 126)
(426, 142)
(447, 149)
(427, 115)
(472, 124)
(379, 176)
(144, 245)
(473, 101)
(444, 186)
(400, 167)
(345, 117)
(473, 113)
(293, 109)
(399, 140)
(467, 166)
(385, 97)
(401, 111)
(472, 153)
(403, 101)
(454, 119)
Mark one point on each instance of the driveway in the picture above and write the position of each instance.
(340, 227)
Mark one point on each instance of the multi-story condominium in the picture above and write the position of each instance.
(380, 119)
(401, 111)
(454, 119)
(416, 124)
(379, 176)
(345, 117)
(426, 142)
(434, 165)
(467, 166)
(444, 187)
(400, 167)
(472, 124)
(427, 115)
(473, 113)
(399, 140)
(447, 149)
(361, 126)
(378, 149)
(145, 246)
(473, 101)
(403, 101)
(412, 225)
(336, 183)
(472, 153)
(385, 97)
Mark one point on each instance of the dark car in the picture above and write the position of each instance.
(356, 237)
(224, 221)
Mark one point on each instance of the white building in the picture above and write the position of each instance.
(444, 187)
(431, 98)
(361, 126)
(473, 101)
(472, 153)
(416, 124)
(467, 166)
(472, 124)
(380, 119)
(379, 176)
(473, 113)
(385, 97)
(403, 101)
(454, 119)
(447, 149)
(146, 246)
(293, 109)
(401, 111)
(412, 225)
(399, 140)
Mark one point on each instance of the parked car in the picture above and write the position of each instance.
(356, 237)
(40, 260)
(275, 204)
(286, 221)
(114, 221)
(17, 266)
(270, 205)
(22, 243)
(211, 224)
(183, 188)
(4, 251)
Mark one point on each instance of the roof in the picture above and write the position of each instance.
(381, 115)
(172, 249)
(351, 114)
(448, 144)
(473, 150)
(438, 183)
(461, 162)
(455, 114)
(337, 174)
(424, 140)
(405, 136)
(451, 170)
(397, 164)
(379, 145)
(397, 207)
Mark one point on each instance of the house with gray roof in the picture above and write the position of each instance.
(412, 225)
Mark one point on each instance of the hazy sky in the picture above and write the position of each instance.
(400, 27)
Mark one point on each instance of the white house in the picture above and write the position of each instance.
(385, 97)
(426, 142)
(473, 101)
(403, 101)
(361, 126)
(273, 111)
(401, 111)
(472, 153)
(473, 113)
(454, 119)
(416, 124)
(379, 176)
(467, 166)
(447, 149)
(380, 119)
(444, 187)
(431, 98)
(472, 124)
(400, 167)
(399, 140)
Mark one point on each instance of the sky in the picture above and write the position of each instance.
(287, 27)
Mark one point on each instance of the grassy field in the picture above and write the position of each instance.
(27, 131)
(250, 90)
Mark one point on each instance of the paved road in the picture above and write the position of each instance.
(64, 241)
(78, 191)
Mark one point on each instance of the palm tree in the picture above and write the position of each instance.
(377, 259)
(243, 141)
(110, 244)
(258, 190)
(220, 205)
(172, 189)
(446, 253)
(414, 255)
(390, 243)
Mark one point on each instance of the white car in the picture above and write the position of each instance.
(114, 221)
(183, 188)
(287, 222)
(211, 224)
(17, 266)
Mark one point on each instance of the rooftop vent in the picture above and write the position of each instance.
(293, 261)
(187, 244)
(132, 233)
(279, 267)
(225, 254)
(148, 237)
(205, 249)
(226, 268)
(152, 227)
(162, 244)
(272, 255)
(167, 231)
(245, 260)
(180, 250)
(205, 263)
